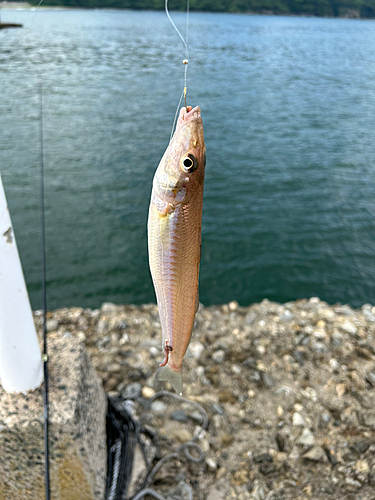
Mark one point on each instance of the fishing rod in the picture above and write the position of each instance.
(44, 301)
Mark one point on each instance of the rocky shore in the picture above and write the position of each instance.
(288, 390)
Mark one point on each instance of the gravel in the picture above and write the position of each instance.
(288, 390)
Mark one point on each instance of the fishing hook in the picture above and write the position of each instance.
(167, 350)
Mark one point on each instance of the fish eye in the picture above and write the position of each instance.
(189, 163)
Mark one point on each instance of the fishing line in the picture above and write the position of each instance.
(184, 61)
(32, 21)
(44, 300)
(175, 27)
(176, 115)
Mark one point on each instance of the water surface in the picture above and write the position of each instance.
(289, 112)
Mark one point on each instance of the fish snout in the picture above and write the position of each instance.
(189, 115)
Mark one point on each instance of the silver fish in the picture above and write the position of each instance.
(174, 239)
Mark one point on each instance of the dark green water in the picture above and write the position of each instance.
(289, 112)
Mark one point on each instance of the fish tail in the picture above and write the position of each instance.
(166, 374)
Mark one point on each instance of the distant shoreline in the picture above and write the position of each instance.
(354, 15)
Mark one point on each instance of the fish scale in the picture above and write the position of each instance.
(174, 239)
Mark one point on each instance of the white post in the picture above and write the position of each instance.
(21, 367)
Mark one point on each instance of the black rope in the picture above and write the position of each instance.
(124, 431)
(121, 440)
(44, 300)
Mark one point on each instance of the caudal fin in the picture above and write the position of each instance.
(166, 374)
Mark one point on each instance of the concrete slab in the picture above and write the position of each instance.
(78, 408)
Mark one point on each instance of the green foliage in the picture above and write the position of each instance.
(327, 8)
(367, 8)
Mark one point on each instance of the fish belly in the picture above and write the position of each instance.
(174, 250)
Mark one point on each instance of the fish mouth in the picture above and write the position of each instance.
(189, 114)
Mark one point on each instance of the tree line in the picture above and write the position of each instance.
(320, 8)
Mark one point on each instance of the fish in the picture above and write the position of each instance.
(174, 239)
